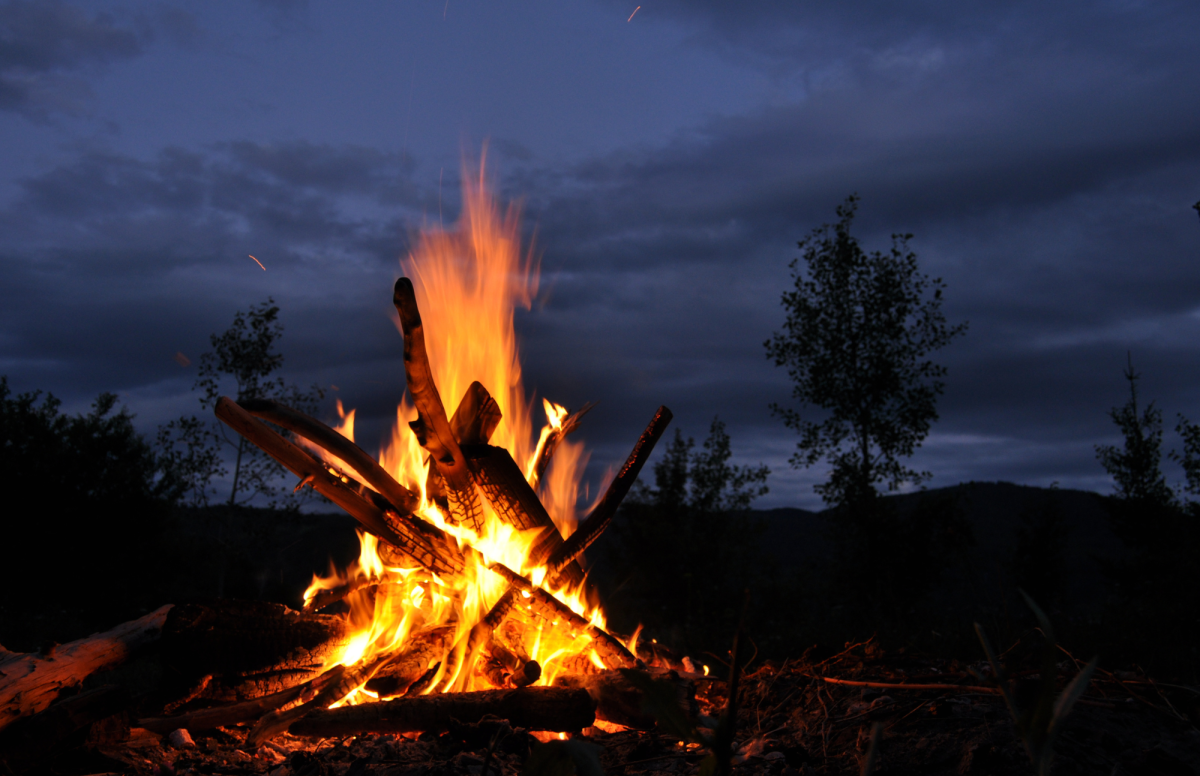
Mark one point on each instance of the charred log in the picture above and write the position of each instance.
(407, 534)
(617, 700)
(546, 453)
(557, 709)
(596, 522)
(251, 648)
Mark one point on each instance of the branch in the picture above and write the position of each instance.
(558, 709)
(595, 523)
(387, 526)
(367, 468)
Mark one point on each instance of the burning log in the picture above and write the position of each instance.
(251, 648)
(556, 435)
(367, 468)
(30, 682)
(404, 533)
(557, 709)
(421, 651)
(342, 682)
(596, 522)
(432, 427)
(545, 605)
(476, 418)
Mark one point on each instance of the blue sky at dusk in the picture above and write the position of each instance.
(1045, 156)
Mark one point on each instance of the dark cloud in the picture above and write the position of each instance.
(43, 43)
(1044, 158)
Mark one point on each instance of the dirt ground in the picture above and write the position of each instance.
(792, 720)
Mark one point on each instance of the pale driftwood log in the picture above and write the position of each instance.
(30, 682)
(557, 709)
(432, 426)
(602, 514)
(405, 533)
(357, 459)
(617, 700)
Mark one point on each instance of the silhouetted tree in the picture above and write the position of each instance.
(1136, 467)
(243, 358)
(686, 548)
(858, 332)
(1156, 616)
(88, 500)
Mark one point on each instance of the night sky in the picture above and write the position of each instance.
(1045, 156)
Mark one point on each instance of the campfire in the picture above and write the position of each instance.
(468, 586)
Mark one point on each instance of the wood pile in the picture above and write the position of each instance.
(230, 663)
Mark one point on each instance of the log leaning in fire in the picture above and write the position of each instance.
(546, 453)
(602, 514)
(432, 426)
(30, 682)
(556, 709)
(611, 651)
(357, 459)
(401, 531)
(476, 418)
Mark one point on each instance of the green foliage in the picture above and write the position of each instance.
(858, 332)
(95, 500)
(1039, 724)
(243, 358)
(685, 547)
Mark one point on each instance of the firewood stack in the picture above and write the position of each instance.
(420, 682)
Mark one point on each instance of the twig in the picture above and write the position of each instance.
(892, 686)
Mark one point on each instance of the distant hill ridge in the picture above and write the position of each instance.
(993, 510)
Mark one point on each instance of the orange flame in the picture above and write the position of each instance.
(469, 281)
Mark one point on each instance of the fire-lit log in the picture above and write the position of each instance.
(422, 650)
(617, 700)
(590, 529)
(357, 459)
(476, 418)
(230, 714)
(569, 424)
(341, 682)
(611, 651)
(403, 532)
(251, 648)
(556, 709)
(514, 500)
(30, 682)
(432, 426)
